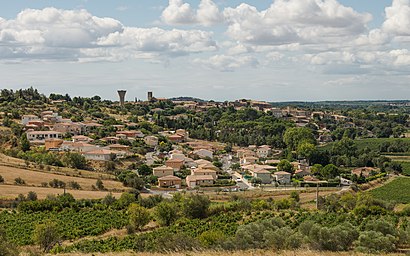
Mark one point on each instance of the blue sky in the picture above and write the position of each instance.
(278, 50)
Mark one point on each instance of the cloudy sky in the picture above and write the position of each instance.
(277, 50)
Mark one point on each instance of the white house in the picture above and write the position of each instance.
(28, 118)
(41, 136)
(99, 155)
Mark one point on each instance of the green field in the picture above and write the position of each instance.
(406, 167)
(372, 143)
(397, 190)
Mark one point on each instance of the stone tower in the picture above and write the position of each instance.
(122, 93)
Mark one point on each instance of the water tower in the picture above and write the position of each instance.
(122, 93)
(149, 96)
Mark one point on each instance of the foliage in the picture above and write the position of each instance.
(196, 206)
(46, 235)
(166, 213)
(6, 248)
(139, 216)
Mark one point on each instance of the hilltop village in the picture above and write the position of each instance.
(185, 174)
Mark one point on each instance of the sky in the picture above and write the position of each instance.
(272, 50)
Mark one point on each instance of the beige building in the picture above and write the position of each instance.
(163, 171)
(202, 172)
(282, 177)
(169, 181)
(99, 155)
(193, 181)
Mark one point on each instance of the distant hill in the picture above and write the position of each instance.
(187, 99)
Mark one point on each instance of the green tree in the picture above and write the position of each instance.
(145, 170)
(196, 206)
(138, 216)
(330, 171)
(295, 136)
(46, 235)
(24, 143)
(285, 166)
(306, 150)
(75, 160)
(166, 213)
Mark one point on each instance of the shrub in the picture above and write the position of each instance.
(19, 181)
(31, 196)
(166, 213)
(46, 235)
(196, 206)
(1, 179)
(139, 216)
(74, 185)
(375, 242)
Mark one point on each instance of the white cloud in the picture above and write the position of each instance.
(179, 13)
(208, 13)
(227, 63)
(73, 35)
(398, 18)
(295, 21)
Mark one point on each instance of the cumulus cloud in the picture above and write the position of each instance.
(227, 63)
(52, 33)
(295, 21)
(179, 13)
(398, 18)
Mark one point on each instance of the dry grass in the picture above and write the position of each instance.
(12, 191)
(238, 253)
(19, 163)
(35, 178)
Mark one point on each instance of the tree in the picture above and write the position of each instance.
(46, 235)
(24, 143)
(285, 166)
(295, 136)
(306, 150)
(99, 184)
(144, 170)
(75, 160)
(166, 213)
(196, 206)
(31, 196)
(139, 216)
(330, 171)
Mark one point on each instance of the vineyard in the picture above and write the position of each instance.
(396, 190)
(73, 223)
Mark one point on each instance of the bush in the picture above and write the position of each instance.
(196, 206)
(338, 238)
(46, 235)
(19, 181)
(139, 216)
(99, 184)
(375, 242)
(74, 185)
(1, 179)
(55, 183)
(166, 213)
(31, 196)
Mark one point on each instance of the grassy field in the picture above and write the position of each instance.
(396, 190)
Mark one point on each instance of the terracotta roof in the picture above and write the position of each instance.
(199, 177)
(282, 173)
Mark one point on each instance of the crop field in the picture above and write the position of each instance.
(35, 178)
(12, 191)
(406, 167)
(396, 190)
(372, 143)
